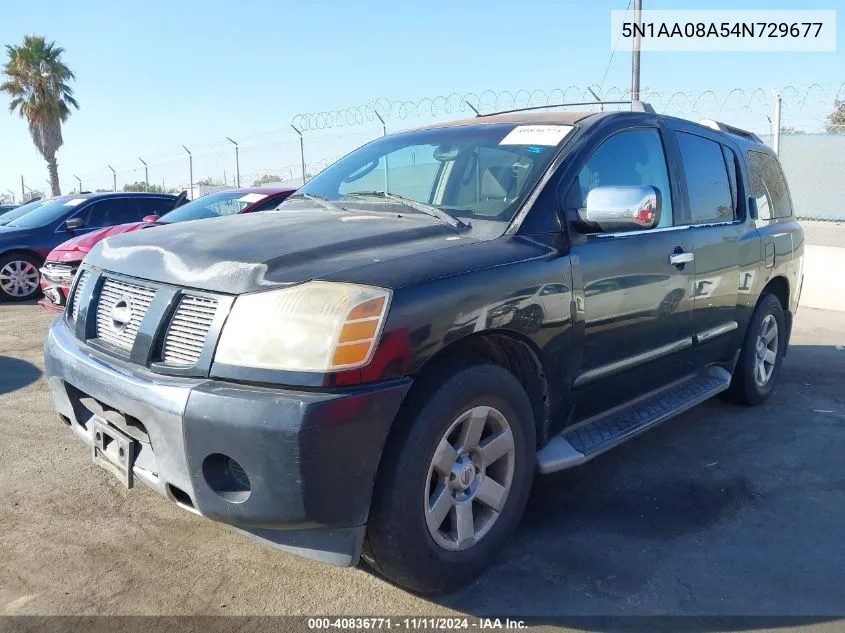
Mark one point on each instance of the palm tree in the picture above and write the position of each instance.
(38, 86)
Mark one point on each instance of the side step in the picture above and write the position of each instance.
(594, 436)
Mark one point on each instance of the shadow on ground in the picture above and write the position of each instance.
(725, 510)
(16, 374)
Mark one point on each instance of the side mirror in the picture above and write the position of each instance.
(74, 223)
(609, 209)
(150, 218)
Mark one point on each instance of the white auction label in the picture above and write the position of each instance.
(252, 197)
(536, 135)
(74, 202)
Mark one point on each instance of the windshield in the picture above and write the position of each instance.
(473, 171)
(17, 212)
(48, 212)
(213, 205)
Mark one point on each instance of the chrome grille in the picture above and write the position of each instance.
(188, 330)
(112, 292)
(84, 276)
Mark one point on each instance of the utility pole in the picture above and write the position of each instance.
(79, 180)
(23, 193)
(146, 174)
(635, 62)
(301, 151)
(190, 172)
(113, 178)
(776, 142)
(237, 163)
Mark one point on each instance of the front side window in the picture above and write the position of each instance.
(110, 212)
(707, 179)
(482, 172)
(633, 158)
(768, 186)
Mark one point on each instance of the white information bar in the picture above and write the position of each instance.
(724, 30)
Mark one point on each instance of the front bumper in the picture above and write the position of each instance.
(55, 295)
(310, 457)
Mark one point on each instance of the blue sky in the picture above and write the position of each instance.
(155, 75)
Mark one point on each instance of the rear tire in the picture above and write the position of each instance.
(454, 480)
(761, 355)
(19, 277)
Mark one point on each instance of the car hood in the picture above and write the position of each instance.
(87, 241)
(245, 253)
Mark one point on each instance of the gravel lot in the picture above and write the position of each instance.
(722, 511)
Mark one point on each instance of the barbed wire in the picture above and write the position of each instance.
(326, 133)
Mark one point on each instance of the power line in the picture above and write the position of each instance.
(613, 52)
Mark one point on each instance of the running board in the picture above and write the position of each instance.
(594, 436)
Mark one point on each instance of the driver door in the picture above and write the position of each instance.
(635, 305)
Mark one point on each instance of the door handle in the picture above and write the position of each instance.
(678, 259)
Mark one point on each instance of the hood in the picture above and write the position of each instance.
(87, 241)
(255, 251)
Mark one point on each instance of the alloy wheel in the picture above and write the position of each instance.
(469, 478)
(766, 351)
(19, 278)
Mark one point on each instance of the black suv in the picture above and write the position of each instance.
(381, 365)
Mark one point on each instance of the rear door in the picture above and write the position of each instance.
(716, 220)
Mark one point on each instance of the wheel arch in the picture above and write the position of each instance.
(778, 286)
(22, 250)
(510, 350)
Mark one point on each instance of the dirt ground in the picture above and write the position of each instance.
(725, 510)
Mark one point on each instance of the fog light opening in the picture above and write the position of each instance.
(226, 477)
(180, 496)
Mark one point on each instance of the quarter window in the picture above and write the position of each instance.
(768, 187)
(707, 179)
(633, 158)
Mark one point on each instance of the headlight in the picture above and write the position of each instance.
(318, 326)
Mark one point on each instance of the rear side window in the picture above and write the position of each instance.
(768, 186)
(708, 183)
(155, 206)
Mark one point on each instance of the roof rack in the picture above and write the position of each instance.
(636, 106)
(730, 129)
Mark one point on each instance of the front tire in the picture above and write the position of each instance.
(761, 355)
(454, 480)
(19, 277)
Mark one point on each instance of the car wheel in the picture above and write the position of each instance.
(454, 480)
(19, 277)
(762, 353)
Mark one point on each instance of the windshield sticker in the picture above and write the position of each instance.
(74, 202)
(536, 135)
(252, 197)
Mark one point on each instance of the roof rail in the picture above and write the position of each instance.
(636, 106)
(730, 129)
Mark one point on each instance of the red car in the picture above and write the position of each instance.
(60, 267)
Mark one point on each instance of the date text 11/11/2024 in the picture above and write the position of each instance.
(414, 623)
